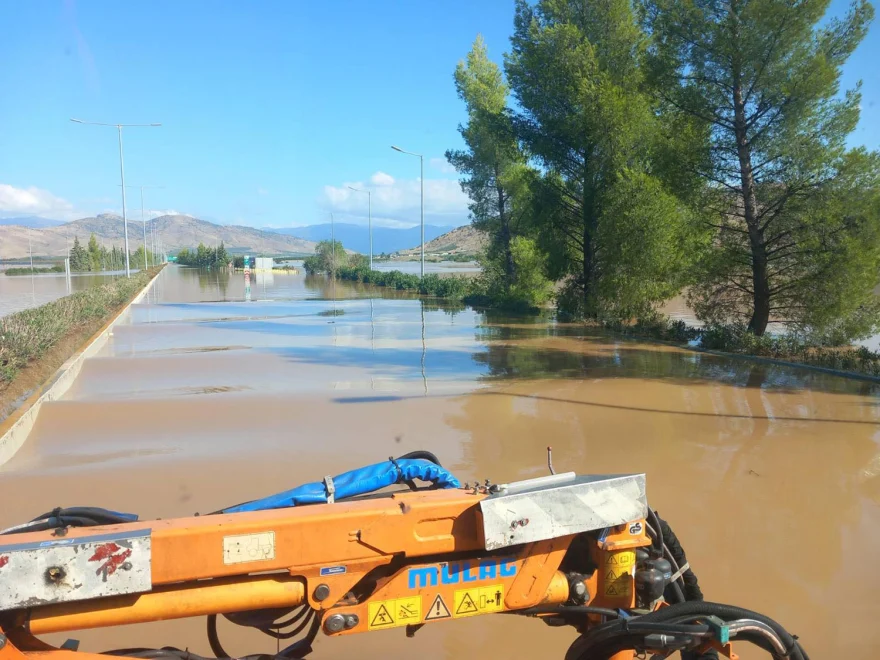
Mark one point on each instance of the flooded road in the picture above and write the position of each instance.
(770, 476)
(18, 292)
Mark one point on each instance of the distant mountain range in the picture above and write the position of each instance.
(461, 240)
(31, 221)
(357, 237)
(54, 238)
(176, 231)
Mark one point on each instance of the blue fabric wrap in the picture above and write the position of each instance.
(356, 482)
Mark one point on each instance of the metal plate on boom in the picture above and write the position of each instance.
(559, 505)
(63, 570)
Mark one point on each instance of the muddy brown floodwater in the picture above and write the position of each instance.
(769, 475)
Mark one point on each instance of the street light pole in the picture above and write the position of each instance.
(124, 216)
(144, 227)
(144, 221)
(369, 218)
(333, 244)
(422, 181)
(119, 128)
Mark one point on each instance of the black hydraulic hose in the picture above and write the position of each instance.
(96, 514)
(566, 610)
(728, 613)
(291, 633)
(655, 520)
(79, 516)
(214, 639)
(692, 589)
(421, 453)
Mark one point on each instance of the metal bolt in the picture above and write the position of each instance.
(351, 620)
(55, 573)
(335, 623)
(2, 641)
(579, 591)
(321, 592)
(126, 566)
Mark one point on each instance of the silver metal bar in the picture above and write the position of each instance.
(560, 505)
(64, 570)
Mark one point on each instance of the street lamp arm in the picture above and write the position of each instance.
(99, 123)
(410, 153)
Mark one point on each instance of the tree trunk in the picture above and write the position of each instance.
(505, 235)
(588, 263)
(760, 279)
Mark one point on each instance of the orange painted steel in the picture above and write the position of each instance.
(178, 602)
(420, 554)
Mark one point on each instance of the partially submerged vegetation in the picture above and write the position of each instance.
(35, 270)
(532, 290)
(809, 348)
(641, 165)
(96, 258)
(27, 335)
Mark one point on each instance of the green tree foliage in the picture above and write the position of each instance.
(79, 258)
(531, 288)
(94, 253)
(222, 257)
(795, 214)
(492, 159)
(575, 72)
(208, 257)
(328, 258)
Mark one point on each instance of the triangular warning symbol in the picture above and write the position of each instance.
(610, 590)
(467, 605)
(611, 576)
(611, 561)
(438, 610)
(382, 618)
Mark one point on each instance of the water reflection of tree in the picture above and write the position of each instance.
(512, 352)
(214, 278)
(765, 500)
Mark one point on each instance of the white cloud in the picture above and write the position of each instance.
(155, 213)
(382, 179)
(396, 203)
(33, 201)
(442, 165)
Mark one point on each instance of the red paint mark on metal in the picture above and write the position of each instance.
(113, 562)
(3, 561)
(110, 554)
(104, 551)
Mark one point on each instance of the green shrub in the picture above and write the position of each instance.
(27, 335)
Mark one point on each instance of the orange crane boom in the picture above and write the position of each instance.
(561, 547)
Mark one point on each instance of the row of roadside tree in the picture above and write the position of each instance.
(632, 150)
(95, 257)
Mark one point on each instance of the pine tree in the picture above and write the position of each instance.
(608, 219)
(79, 258)
(795, 213)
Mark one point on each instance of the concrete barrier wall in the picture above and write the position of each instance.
(16, 428)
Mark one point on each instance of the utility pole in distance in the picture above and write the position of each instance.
(119, 128)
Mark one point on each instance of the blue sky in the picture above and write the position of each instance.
(269, 109)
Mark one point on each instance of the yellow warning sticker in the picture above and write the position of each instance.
(392, 613)
(617, 575)
(478, 600)
(438, 610)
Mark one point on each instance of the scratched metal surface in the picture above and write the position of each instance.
(66, 570)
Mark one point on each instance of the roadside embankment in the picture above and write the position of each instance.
(35, 342)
